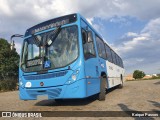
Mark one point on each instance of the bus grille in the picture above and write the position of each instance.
(52, 93)
(45, 76)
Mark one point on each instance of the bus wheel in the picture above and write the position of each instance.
(102, 94)
(121, 84)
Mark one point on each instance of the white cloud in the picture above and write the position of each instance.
(120, 20)
(130, 45)
(139, 59)
(152, 28)
(133, 61)
(142, 48)
(150, 33)
(131, 34)
(139, 38)
(4, 8)
(18, 15)
(45, 9)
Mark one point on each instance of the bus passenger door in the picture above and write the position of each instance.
(90, 62)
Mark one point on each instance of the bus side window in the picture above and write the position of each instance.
(121, 63)
(117, 62)
(101, 48)
(108, 52)
(88, 46)
(113, 57)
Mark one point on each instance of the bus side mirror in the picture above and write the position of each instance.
(12, 41)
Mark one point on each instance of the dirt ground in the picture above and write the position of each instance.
(134, 96)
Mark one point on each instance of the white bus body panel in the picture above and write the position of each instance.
(114, 73)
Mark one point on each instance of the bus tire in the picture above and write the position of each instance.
(121, 84)
(102, 94)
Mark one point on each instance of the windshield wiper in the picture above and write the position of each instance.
(39, 42)
(56, 33)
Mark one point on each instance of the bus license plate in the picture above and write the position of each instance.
(42, 97)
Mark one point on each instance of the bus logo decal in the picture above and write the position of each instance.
(41, 83)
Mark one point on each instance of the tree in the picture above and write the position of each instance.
(8, 60)
(138, 74)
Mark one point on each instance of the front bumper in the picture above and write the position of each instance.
(74, 90)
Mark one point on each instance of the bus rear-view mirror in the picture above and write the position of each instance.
(12, 41)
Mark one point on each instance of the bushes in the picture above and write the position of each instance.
(155, 77)
(9, 84)
(137, 74)
(8, 66)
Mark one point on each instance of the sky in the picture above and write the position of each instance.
(131, 27)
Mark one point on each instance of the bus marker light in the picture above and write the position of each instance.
(89, 82)
(20, 83)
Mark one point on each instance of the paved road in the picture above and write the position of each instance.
(135, 95)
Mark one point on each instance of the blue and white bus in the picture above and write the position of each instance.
(66, 58)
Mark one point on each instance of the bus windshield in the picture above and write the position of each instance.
(61, 52)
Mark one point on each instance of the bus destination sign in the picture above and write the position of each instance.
(51, 24)
(34, 62)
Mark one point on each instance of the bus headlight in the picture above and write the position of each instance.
(28, 84)
(73, 77)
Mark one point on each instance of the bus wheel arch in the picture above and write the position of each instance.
(121, 81)
(103, 74)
